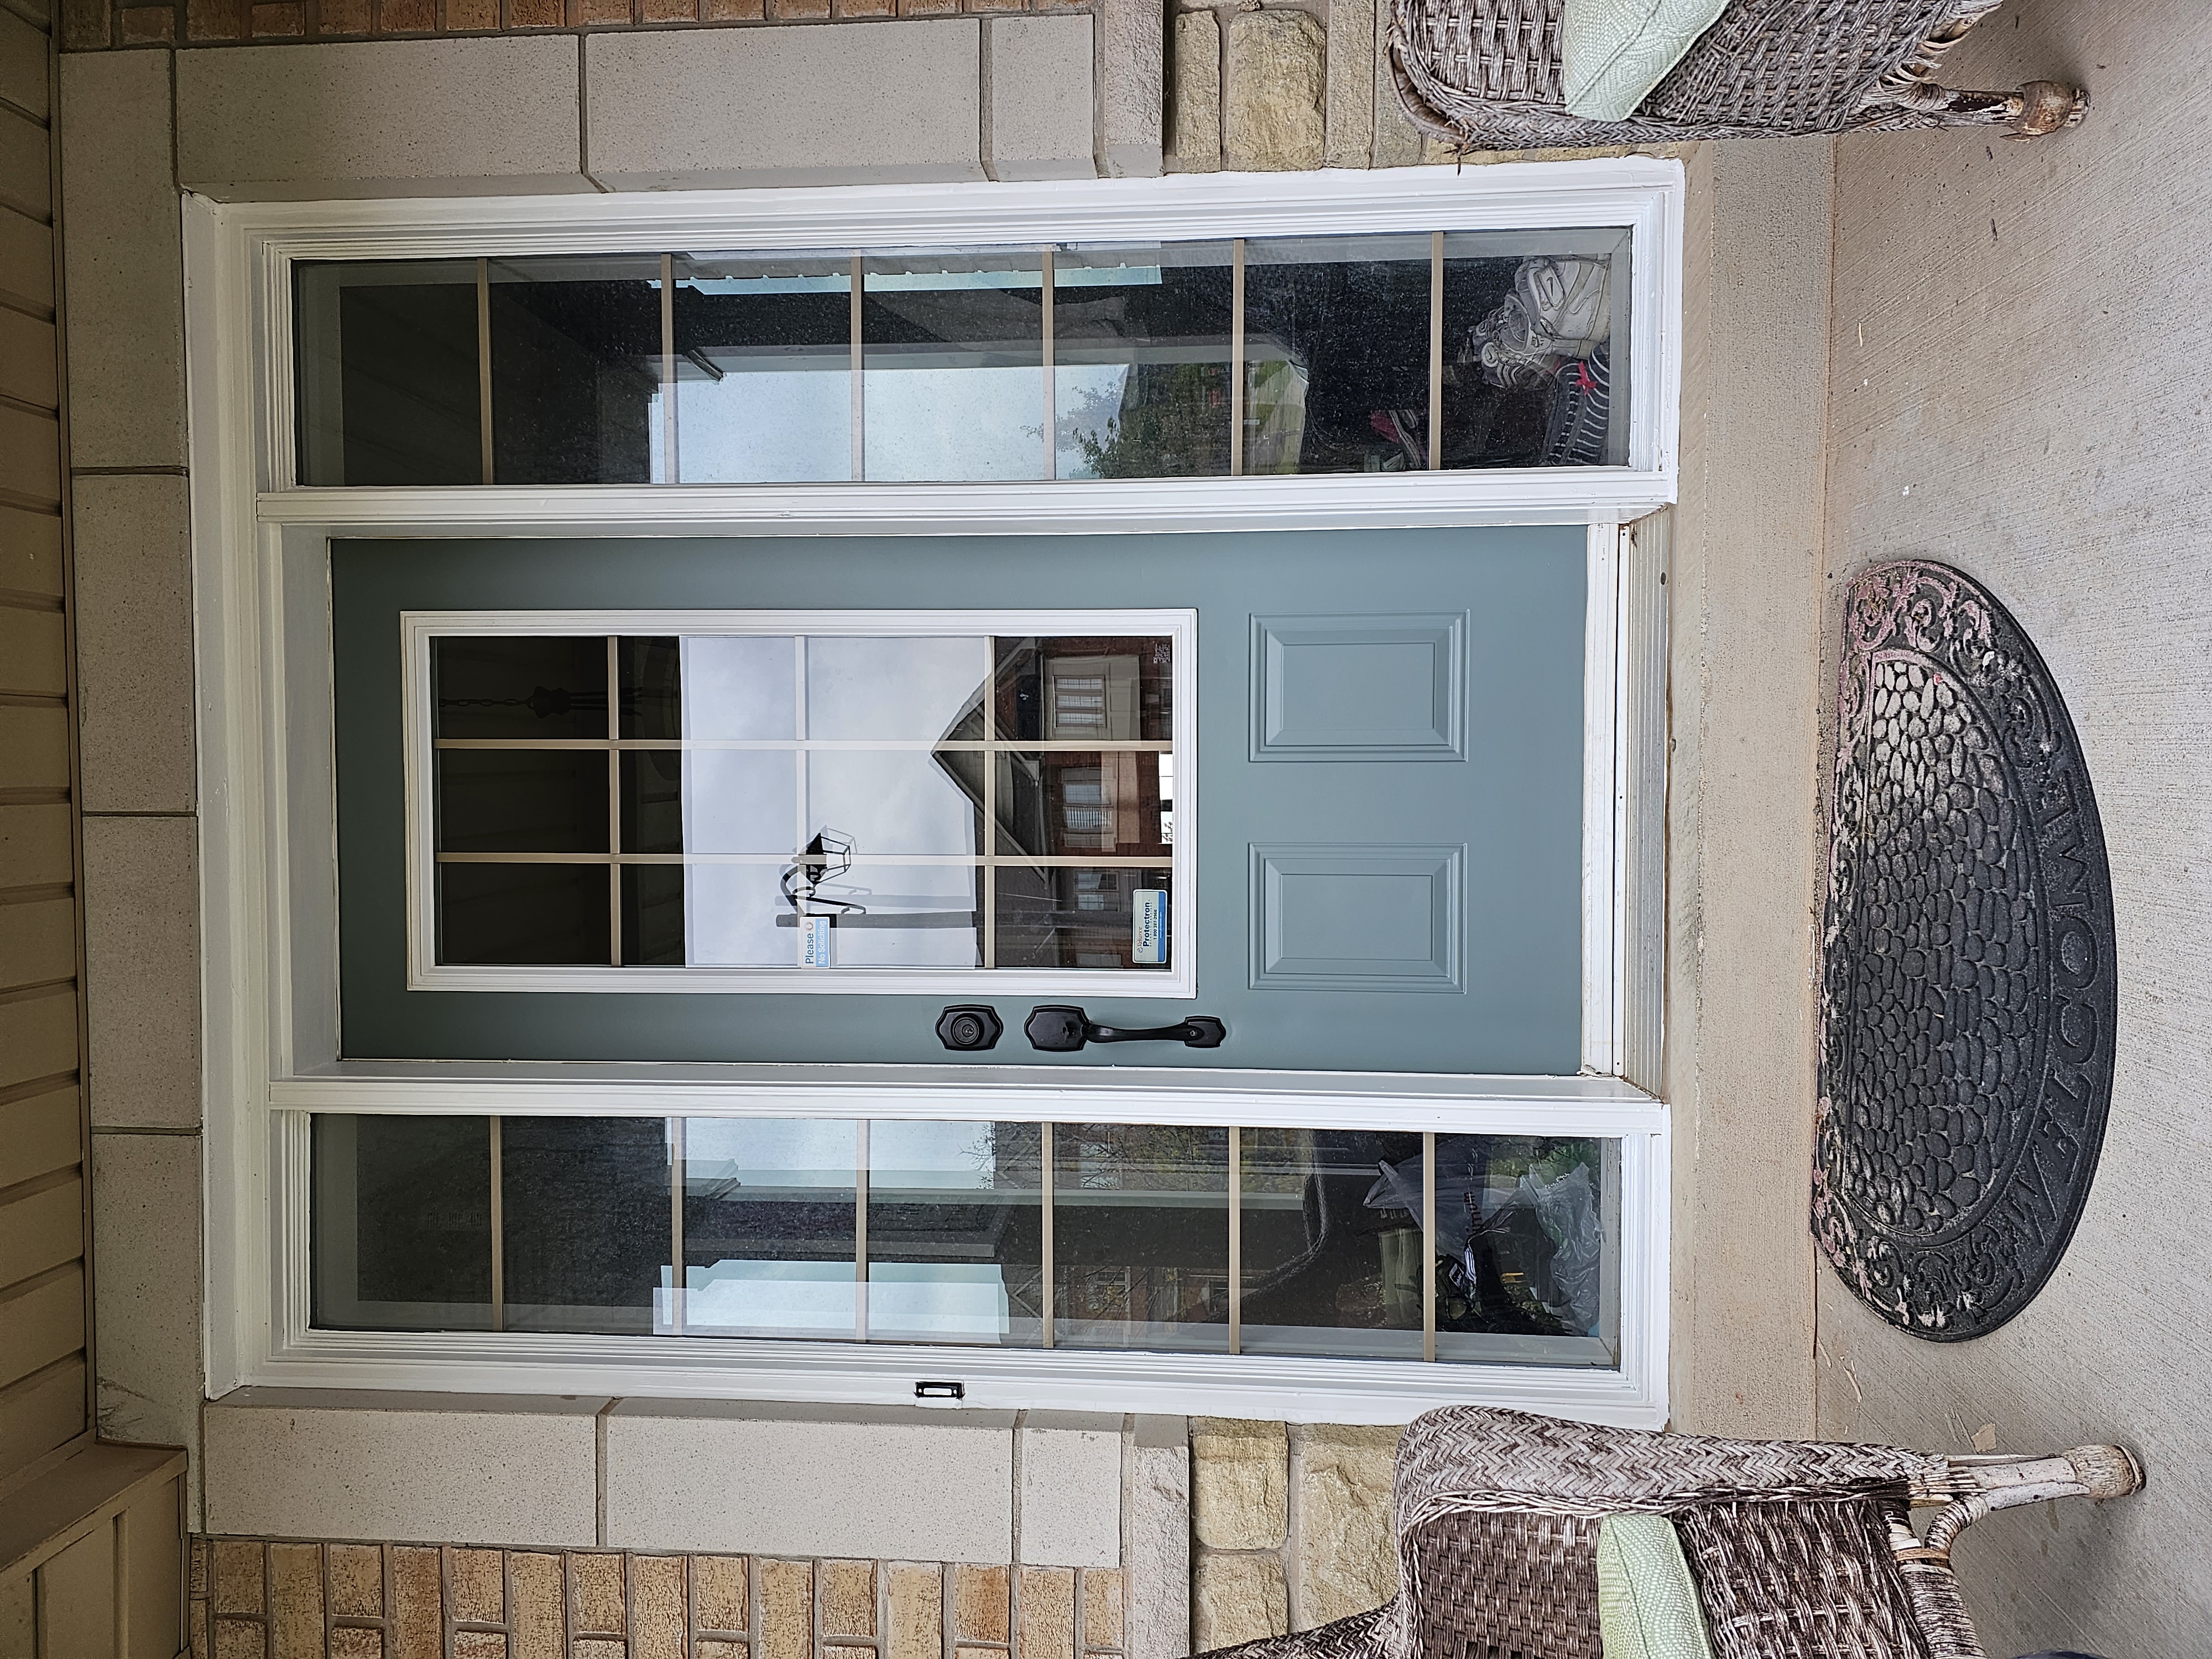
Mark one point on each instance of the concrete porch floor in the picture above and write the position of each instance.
(2016, 386)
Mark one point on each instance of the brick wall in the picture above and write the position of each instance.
(92, 24)
(270, 1599)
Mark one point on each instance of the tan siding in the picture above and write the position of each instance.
(44, 1362)
(30, 445)
(37, 845)
(22, 63)
(41, 1324)
(150, 1534)
(76, 1599)
(27, 358)
(38, 1136)
(35, 745)
(26, 259)
(30, 549)
(41, 1229)
(25, 183)
(38, 942)
(38, 1037)
(41, 1412)
(32, 651)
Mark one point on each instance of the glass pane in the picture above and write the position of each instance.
(1140, 360)
(653, 917)
(388, 387)
(769, 1233)
(1085, 689)
(584, 1207)
(956, 1233)
(894, 916)
(575, 371)
(649, 680)
(735, 687)
(1059, 917)
(1074, 800)
(764, 368)
(522, 800)
(736, 916)
(402, 1222)
(898, 800)
(1535, 331)
(1336, 355)
(953, 365)
(540, 914)
(1140, 1236)
(910, 688)
(1528, 1241)
(1332, 1255)
(709, 800)
(520, 686)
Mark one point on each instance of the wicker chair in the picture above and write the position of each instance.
(1800, 1550)
(1484, 75)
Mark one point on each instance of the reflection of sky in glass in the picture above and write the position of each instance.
(775, 423)
(939, 1157)
(979, 423)
(886, 801)
(938, 1301)
(890, 688)
(945, 894)
(737, 687)
(898, 800)
(729, 917)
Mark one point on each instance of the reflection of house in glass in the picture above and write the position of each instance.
(1061, 802)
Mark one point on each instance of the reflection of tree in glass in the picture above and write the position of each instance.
(1170, 422)
(1158, 1158)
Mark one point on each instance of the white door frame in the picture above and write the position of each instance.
(268, 925)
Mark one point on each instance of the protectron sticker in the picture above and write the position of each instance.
(1149, 947)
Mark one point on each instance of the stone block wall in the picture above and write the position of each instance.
(1290, 1526)
(1283, 88)
(271, 1599)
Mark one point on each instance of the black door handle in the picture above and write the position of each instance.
(1057, 1028)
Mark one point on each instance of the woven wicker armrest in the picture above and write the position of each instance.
(1486, 74)
(1475, 1457)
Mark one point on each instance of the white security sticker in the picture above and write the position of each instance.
(814, 935)
(1150, 946)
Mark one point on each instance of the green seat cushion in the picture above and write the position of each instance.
(1612, 52)
(1647, 1602)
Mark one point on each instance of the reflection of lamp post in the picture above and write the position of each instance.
(827, 857)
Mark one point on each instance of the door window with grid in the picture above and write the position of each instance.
(746, 795)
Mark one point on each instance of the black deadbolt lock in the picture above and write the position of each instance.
(969, 1026)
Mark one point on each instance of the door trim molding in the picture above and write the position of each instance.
(267, 830)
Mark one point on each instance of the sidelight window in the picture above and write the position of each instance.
(1161, 1238)
(1406, 353)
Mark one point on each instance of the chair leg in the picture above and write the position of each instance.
(2005, 1483)
(2036, 108)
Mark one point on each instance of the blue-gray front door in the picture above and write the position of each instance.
(1388, 834)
